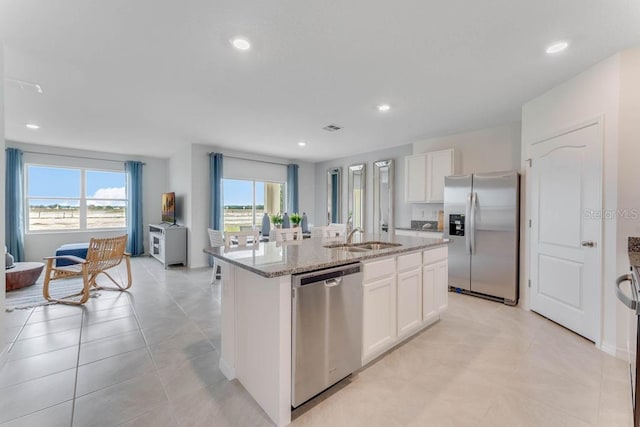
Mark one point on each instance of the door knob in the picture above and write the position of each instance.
(589, 243)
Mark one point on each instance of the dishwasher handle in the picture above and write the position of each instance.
(333, 282)
(629, 302)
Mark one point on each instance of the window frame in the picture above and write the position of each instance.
(256, 223)
(83, 199)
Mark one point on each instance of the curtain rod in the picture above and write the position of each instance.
(250, 160)
(75, 157)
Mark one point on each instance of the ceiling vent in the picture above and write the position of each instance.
(331, 128)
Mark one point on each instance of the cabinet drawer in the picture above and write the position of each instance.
(409, 261)
(434, 255)
(378, 269)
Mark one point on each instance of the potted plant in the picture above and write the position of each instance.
(276, 220)
(295, 219)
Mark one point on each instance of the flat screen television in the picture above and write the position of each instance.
(169, 208)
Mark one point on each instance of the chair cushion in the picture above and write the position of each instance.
(75, 249)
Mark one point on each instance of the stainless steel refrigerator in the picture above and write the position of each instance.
(482, 221)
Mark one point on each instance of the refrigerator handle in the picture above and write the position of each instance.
(467, 227)
(472, 223)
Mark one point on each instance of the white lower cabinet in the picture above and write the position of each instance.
(442, 285)
(409, 301)
(379, 312)
(401, 295)
(429, 311)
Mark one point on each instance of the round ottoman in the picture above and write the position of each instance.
(23, 274)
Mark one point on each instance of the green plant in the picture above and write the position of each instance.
(295, 218)
(276, 219)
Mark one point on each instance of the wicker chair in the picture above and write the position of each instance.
(102, 255)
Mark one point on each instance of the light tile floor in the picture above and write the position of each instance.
(149, 358)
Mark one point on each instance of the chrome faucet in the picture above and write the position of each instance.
(350, 236)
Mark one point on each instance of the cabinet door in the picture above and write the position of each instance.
(441, 285)
(379, 316)
(439, 165)
(415, 178)
(429, 311)
(409, 301)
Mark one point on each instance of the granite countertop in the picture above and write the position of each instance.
(633, 248)
(273, 259)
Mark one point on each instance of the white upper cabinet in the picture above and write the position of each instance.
(416, 178)
(424, 176)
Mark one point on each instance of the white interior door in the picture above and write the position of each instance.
(566, 215)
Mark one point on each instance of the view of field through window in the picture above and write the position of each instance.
(55, 200)
(245, 202)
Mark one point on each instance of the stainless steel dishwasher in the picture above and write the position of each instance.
(327, 329)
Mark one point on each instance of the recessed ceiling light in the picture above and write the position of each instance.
(32, 126)
(241, 43)
(384, 107)
(557, 47)
(302, 143)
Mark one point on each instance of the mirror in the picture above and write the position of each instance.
(357, 184)
(334, 184)
(383, 198)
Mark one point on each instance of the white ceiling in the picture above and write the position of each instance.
(150, 76)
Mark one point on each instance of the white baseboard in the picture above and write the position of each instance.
(617, 352)
(227, 370)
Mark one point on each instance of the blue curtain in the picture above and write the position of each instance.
(14, 199)
(292, 188)
(215, 177)
(135, 228)
(215, 182)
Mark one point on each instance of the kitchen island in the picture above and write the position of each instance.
(404, 289)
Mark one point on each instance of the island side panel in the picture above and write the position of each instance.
(263, 341)
(228, 320)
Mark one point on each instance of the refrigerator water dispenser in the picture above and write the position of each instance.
(456, 225)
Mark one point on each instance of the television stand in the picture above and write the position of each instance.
(168, 243)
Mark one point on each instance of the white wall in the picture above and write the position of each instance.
(39, 245)
(591, 94)
(402, 211)
(3, 347)
(189, 177)
(484, 150)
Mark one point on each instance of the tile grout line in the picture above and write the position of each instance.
(15, 339)
(153, 361)
(75, 381)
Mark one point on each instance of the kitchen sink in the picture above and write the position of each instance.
(364, 246)
(376, 246)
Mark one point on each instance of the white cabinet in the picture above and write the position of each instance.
(439, 166)
(429, 311)
(442, 286)
(416, 178)
(401, 295)
(424, 176)
(168, 244)
(435, 283)
(379, 316)
(409, 301)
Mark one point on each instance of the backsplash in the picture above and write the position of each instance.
(424, 225)
(425, 212)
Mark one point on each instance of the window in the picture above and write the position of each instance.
(245, 202)
(74, 199)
